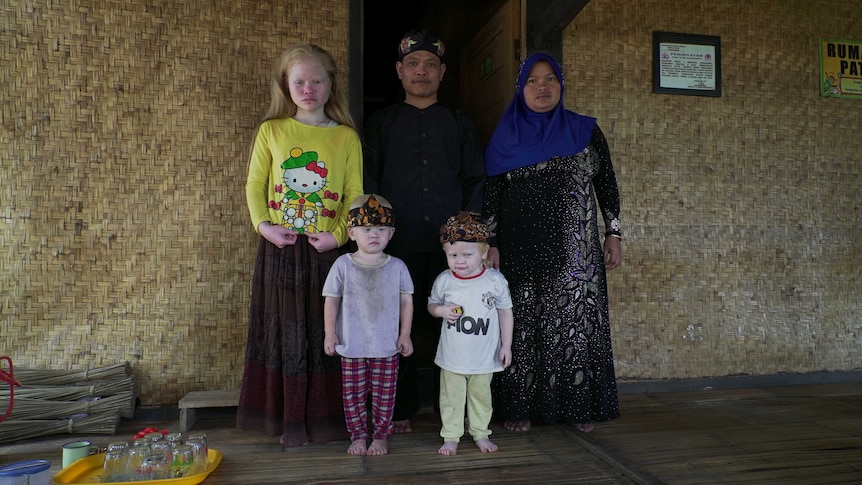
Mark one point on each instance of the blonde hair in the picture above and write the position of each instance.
(480, 246)
(282, 106)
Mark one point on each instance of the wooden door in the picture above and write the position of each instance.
(489, 65)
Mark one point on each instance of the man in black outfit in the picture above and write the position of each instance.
(427, 160)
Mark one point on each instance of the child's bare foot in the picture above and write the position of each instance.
(401, 427)
(378, 447)
(449, 448)
(357, 448)
(517, 425)
(486, 445)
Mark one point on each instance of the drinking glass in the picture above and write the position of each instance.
(136, 454)
(118, 446)
(174, 438)
(155, 467)
(164, 448)
(199, 453)
(114, 466)
(184, 461)
(199, 435)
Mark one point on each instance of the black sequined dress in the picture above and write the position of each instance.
(544, 221)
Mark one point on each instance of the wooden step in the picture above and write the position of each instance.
(195, 400)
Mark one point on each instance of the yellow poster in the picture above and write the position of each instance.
(840, 68)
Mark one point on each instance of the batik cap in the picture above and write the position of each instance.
(420, 40)
(370, 213)
(465, 226)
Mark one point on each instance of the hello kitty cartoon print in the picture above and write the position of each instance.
(301, 203)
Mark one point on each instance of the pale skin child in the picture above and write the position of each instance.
(310, 87)
(306, 127)
(371, 233)
(467, 260)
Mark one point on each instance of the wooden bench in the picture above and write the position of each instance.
(195, 400)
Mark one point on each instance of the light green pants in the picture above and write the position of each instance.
(456, 390)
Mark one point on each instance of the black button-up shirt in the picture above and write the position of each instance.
(429, 164)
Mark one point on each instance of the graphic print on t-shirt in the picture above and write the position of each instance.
(304, 180)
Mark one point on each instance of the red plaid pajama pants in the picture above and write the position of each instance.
(359, 377)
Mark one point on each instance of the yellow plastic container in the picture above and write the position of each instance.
(89, 470)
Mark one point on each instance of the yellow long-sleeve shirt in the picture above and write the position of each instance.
(304, 177)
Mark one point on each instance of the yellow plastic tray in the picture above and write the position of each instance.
(89, 470)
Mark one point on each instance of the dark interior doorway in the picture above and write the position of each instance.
(385, 22)
(379, 25)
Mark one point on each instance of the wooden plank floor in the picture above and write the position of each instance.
(803, 434)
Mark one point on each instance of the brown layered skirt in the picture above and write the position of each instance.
(290, 387)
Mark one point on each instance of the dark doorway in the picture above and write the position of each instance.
(385, 22)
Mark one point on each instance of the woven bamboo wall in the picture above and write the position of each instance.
(123, 135)
(741, 213)
(125, 235)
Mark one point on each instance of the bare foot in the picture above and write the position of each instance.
(378, 447)
(486, 445)
(585, 427)
(291, 443)
(449, 448)
(401, 427)
(357, 448)
(518, 425)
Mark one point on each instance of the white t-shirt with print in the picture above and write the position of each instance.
(472, 344)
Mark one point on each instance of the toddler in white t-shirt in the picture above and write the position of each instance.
(476, 335)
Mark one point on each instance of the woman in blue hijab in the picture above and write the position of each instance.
(549, 177)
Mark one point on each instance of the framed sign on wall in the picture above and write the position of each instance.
(840, 68)
(687, 64)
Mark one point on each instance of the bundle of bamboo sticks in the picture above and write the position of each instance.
(14, 430)
(48, 377)
(89, 401)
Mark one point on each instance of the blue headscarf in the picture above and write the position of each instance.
(524, 137)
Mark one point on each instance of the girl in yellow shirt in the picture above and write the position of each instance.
(305, 162)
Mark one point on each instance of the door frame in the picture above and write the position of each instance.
(546, 20)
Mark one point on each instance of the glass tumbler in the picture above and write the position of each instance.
(164, 448)
(136, 454)
(199, 453)
(154, 437)
(114, 466)
(199, 435)
(118, 446)
(184, 461)
(174, 438)
(155, 467)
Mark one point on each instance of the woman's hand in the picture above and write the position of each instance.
(613, 252)
(322, 241)
(278, 235)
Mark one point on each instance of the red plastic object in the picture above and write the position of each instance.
(9, 378)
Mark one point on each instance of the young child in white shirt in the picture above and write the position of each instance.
(476, 335)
